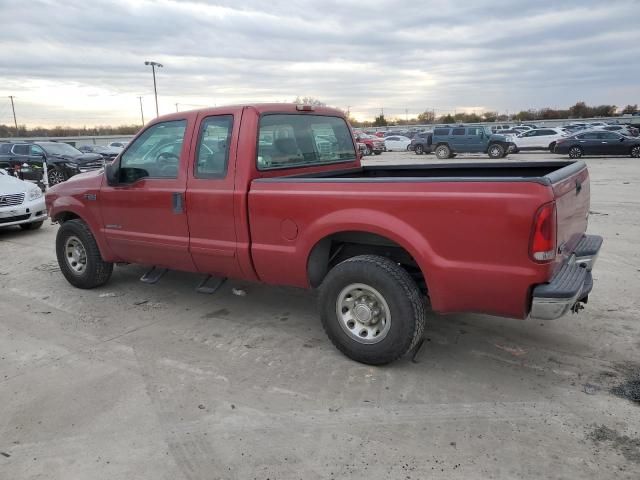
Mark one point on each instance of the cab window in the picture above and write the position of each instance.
(155, 153)
(299, 140)
(212, 155)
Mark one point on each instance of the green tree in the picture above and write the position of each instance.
(426, 117)
(380, 121)
(630, 109)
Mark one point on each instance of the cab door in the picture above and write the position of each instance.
(144, 217)
(210, 195)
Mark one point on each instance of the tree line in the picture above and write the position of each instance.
(23, 131)
(579, 110)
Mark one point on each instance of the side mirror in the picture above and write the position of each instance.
(112, 171)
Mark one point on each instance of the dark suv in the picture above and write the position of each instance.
(421, 143)
(446, 142)
(63, 161)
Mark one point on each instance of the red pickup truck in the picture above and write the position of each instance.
(275, 193)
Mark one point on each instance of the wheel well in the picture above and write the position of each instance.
(338, 247)
(65, 217)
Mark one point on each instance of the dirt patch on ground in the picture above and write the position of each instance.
(630, 388)
(629, 447)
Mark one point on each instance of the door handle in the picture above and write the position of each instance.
(177, 202)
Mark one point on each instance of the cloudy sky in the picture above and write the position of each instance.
(71, 62)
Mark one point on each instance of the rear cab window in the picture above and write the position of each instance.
(301, 140)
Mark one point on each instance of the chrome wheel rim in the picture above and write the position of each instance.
(55, 177)
(442, 153)
(363, 313)
(635, 152)
(495, 152)
(575, 153)
(75, 255)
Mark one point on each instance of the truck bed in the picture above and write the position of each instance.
(466, 225)
(545, 173)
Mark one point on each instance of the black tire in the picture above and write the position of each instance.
(442, 152)
(31, 226)
(406, 306)
(552, 146)
(575, 152)
(369, 150)
(378, 152)
(635, 151)
(408, 148)
(56, 176)
(419, 149)
(495, 151)
(96, 271)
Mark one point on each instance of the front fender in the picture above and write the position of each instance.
(61, 208)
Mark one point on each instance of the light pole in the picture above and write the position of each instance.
(155, 90)
(141, 111)
(15, 122)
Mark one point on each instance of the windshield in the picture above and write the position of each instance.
(60, 149)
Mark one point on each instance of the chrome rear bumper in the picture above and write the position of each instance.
(570, 286)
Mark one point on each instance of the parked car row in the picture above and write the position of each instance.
(25, 160)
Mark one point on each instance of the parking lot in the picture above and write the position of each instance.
(157, 381)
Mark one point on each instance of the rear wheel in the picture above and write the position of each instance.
(371, 309)
(443, 151)
(635, 151)
(419, 149)
(552, 146)
(496, 151)
(79, 257)
(378, 152)
(369, 150)
(575, 152)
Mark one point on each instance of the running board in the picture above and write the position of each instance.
(153, 275)
(213, 288)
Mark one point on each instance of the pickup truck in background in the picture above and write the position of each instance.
(248, 192)
(372, 143)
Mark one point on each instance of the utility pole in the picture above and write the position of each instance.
(348, 111)
(141, 111)
(15, 122)
(406, 115)
(155, 89)
(177, 108)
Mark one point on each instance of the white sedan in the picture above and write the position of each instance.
(21, 203)
(539, 139)
(396, 142)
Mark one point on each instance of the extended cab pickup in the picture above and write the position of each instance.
(275, 193)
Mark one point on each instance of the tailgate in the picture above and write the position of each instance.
(571, 191)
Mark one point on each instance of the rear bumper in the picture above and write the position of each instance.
(570, 286)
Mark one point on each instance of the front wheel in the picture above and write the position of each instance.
(378, 152)
(79, 257)
(635, 151)
(56, 176)
(552, 146)
(496, 151)
(369, 150)
(371, 309)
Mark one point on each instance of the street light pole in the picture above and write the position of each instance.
(141, 111)
(155, 90)
(15, 122)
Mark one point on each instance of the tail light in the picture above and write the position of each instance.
(543, 235)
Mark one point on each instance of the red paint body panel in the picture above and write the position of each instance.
(469, 238)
